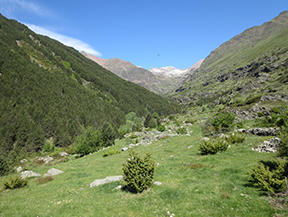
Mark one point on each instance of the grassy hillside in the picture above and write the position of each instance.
(193, 184)
(48, 91)
(253, 63)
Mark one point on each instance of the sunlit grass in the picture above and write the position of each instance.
(193, 185)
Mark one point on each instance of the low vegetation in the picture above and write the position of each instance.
(138, 172)
(213, 147)
(15, 182)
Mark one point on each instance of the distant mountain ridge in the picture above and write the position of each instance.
(158, 80)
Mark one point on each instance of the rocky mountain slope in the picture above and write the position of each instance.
(252, 66)
(156, 80)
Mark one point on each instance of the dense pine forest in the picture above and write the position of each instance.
(51, 91)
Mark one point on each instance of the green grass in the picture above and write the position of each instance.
(193, 185)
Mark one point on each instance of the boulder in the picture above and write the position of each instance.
(23, 161)
(28, 174)
(269, 145)
(19, 169)
(53, 172)
(106, 180)
(46, 159)
(124, 149)
(157, 183)
(62, 154)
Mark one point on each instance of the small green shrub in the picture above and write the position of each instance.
(161, 128)
(276, 110)
(133, 136)
(147, 120)
(152, 123)
(48, 147)
(44, 180)
(283, 146)
(108, 135)
(190, 121)
(15, 182)
(138, 171)
(260, 114)
(208, 147)
(267, 178)
(235, 138)
(268, 121)
(171, 117)
(181, 130)
(111, 152)
(240, 125)
(223, 122)
(89, 141)
(177, 123)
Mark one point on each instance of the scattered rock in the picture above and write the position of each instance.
(19, 169)
(190, 146)
(269, 145)
(261, 131)
(62, 154)
(28, 174)
(158, 183)
(118, 187)
(205, 139)
(23, 161)
(53, 172)
(106, 180)
(124, 149)
(46, 159)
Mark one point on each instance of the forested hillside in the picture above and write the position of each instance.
(49, 91)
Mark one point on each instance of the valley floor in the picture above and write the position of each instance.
(193, 185)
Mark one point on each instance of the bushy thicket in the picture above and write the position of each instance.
(212, 147)
(138, 172)
(235, 138)
(222, 122)
(15, 182)
(269, 178)
(92, 140)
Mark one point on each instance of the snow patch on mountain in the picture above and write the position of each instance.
(169, 71)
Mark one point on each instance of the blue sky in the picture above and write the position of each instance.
(148, 33)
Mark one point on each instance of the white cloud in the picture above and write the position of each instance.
(10, 7)
(69, 41)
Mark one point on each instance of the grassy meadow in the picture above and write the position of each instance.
(193, 185)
